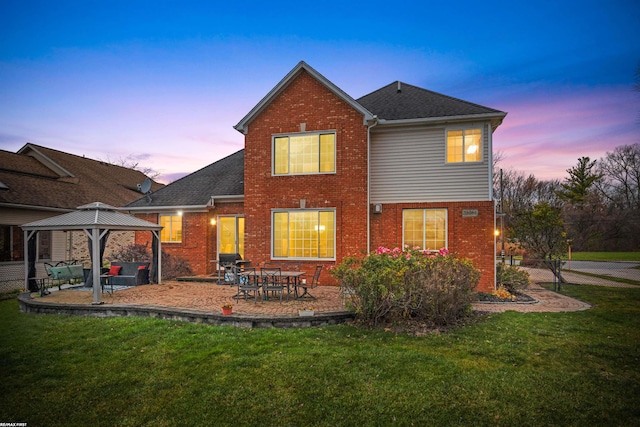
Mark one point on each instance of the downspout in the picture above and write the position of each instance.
(370, 125)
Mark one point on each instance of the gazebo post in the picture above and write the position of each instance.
(95, 265)
(26, 259)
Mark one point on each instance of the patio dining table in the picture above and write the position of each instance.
(292, 277)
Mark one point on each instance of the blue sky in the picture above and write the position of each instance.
(163, 82)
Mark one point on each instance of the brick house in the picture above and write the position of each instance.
(326, 176)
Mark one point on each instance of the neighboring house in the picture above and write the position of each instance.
(39, 182)
(327, 176)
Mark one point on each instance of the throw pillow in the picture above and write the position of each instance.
(115, 270)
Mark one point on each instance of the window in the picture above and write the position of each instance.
(172, 231)
(12, 244)
(464, 145)
(44, 245)
(307, 153)
(425, 228)
(304, 234)
(231, 235)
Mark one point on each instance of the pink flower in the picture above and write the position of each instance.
(444, 251)
(408, 257)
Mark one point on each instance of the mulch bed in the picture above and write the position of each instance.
(518, 297)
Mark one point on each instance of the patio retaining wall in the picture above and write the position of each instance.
(30, 305)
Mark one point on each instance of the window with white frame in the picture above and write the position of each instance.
(172, 231)
(464, 145)
(424, 228)
(305, 153)
(304, 234)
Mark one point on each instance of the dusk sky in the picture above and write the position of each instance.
(163, 82)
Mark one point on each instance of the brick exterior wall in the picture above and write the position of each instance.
(468, 237)
(199, 236)
(307, 101)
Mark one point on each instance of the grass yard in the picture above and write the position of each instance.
(532, 369)
(605, 256)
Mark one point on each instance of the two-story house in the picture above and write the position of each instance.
(327, 176)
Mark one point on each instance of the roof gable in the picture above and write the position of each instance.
(243, 124)
(219, 179)
(404, 102)
(40, 177)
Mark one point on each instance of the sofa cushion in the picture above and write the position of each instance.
(114, 270)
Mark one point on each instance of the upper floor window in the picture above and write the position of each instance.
(306, 153)
(172, 231)
(464, 145)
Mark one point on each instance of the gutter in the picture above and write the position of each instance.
(35, 208)
(372, 123)
(445, 120)
(187, 208)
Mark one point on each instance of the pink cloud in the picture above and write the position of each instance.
(545, 133)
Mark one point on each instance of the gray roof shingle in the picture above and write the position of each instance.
(412, 102)
(222, 178)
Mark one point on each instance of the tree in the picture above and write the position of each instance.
(582, 211)
(541, 232)
(131, 163)
(580, 182)
(620, 187)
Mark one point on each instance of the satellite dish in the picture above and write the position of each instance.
(145, 187)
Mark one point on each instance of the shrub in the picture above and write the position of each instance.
(393, 284)
(512, 277)
(174, 266)
(132, 253)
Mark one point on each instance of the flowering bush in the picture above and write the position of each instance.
(393, 284)
(512, 277)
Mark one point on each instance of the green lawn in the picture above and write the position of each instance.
(605, 256)
(508, 369)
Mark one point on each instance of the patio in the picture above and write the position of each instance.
(201, 302)
(192, 301)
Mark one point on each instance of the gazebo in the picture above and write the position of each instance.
(97, 220)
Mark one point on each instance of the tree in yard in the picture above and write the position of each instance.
(620, 187)
(541, 232)
(582, 178)
(583, 210)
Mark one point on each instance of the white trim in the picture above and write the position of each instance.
(498, 117)
(296, 134)
(170, 230)
(465, 127)
(237, 233)
(335, 245)
(446, 225)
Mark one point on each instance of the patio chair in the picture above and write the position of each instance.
(272, 282)
(248, 284)
(312, 285)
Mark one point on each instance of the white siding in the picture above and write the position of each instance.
(408, 165)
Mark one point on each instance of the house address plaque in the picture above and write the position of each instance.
(466, 213)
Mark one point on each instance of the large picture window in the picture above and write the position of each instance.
(424, 228)
(306, 153)
(172, 231)
(464, 145)
(304, 234)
